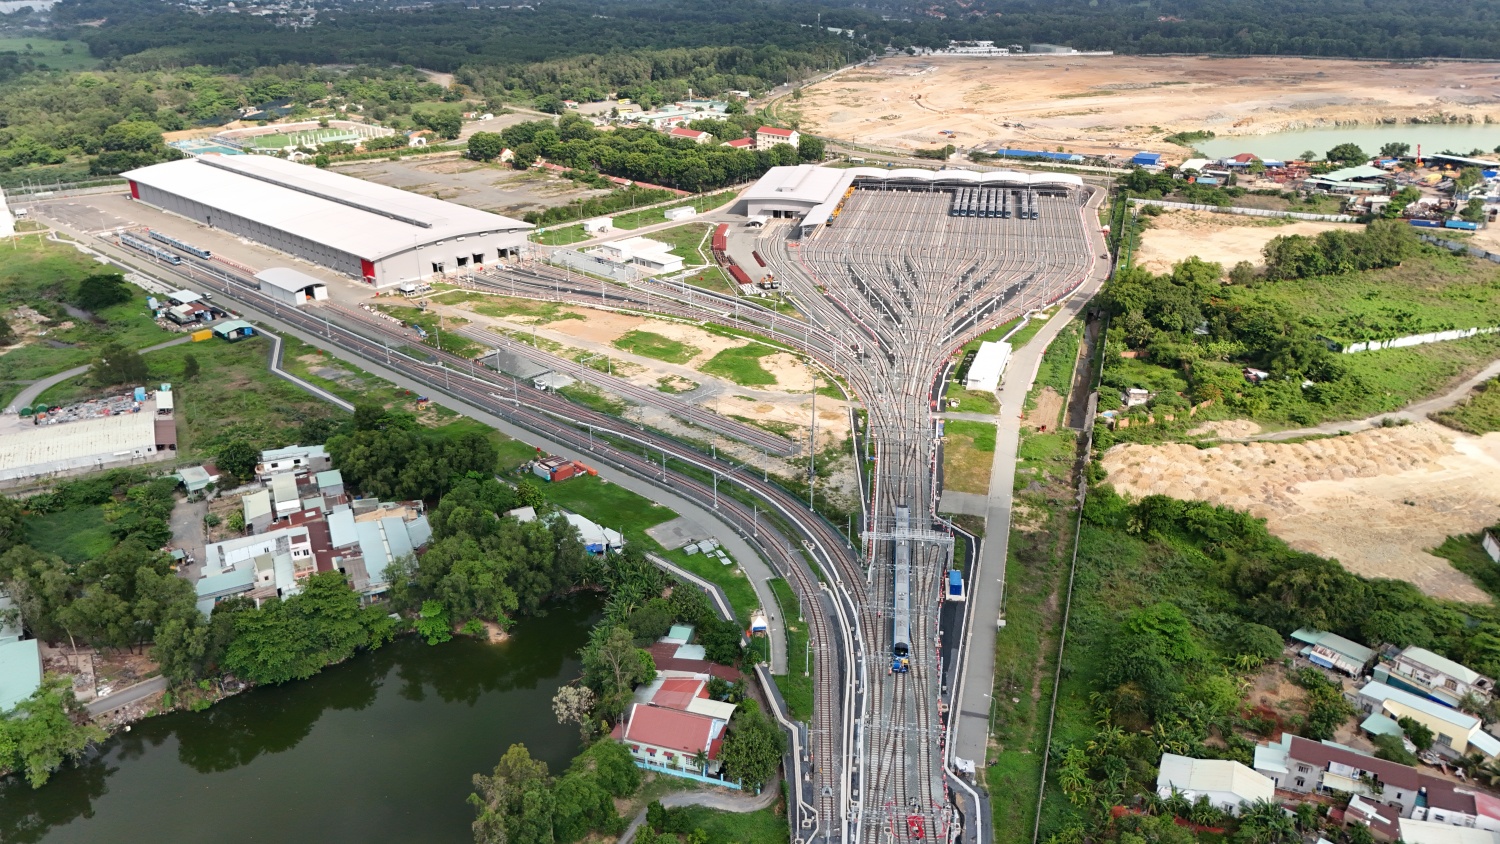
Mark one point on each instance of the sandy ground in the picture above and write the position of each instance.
(1375, 501)
(1115, 104)
(1227, 428)
(1224, 238)
(1048, 410)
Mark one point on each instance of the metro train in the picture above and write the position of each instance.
(901, 587)
(142, 246)
(185, 247)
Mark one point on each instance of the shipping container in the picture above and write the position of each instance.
(740, 276)
(955, 585)
(721, 240)
(1461, 224)
(200, 336)
(1426, 224)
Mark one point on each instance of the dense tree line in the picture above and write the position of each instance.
(643, 154)
(521, 803)
(1385, 243)
(389, 456)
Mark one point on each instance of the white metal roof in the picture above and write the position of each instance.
(1457, 671)
(825, 186)
(1197, 776)
(287, 278)
(362, 218)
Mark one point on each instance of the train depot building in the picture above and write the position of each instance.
(816, 194)
(377, 234)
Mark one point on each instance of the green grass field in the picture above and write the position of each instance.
(686, 241)
(796, 688)
(1478, 414)
(309, 137)
(974, 401)
(561, 234)
(741, 364)
(75, 535)
(656, 346)
(765, 826)
(611, 505)
(968, 455)
(731, 579)
(51, 53)
(650, 216)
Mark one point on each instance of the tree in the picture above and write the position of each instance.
(753, 748)
(810, 148)
(485, 146)
(292, 639)
(513, 804)
(117, 363)
(433, 624)
(1394, 149)
(12, 526)
(44, 730)
(1419, 734)
(613, 665)
(101, 290)
(1347, 153)
(190, 367)
(575, 705)
(238, 458)
(1392, 749)
(448, 123)
(1473, 210)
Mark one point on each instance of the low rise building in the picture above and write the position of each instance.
(258, 512)
(652, 255)
(1331, 650)
(293, 458)
(670, 741)
(1228, 785)
(770, 136)
(740, 143)
(693, 135)
(1413, 831)
(1426, 673)
(20, 659)
(1455, 733)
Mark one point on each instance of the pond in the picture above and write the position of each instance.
(381, 748)
(1284, 145)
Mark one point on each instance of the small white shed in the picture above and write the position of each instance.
(598, 225)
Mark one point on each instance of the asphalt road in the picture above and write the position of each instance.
(987, 578)
(127, 696)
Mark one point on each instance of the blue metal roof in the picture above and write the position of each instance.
(1148, 158)
(1037, 153)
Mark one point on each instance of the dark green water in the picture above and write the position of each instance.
(379, 749)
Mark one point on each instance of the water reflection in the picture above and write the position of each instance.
(340, 753)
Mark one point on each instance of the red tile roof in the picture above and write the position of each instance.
(772, 130)
(662, 656)
(684, 132)
(678, 692)
(741, 143)
(670, 729)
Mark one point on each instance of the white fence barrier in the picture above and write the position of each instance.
(1413, 340)
(1245, 212)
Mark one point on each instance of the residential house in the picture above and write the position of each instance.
(1331, 650)
(293, 458)
(259, 567)
(258, 511)
(769, 136)
(1383, 819)
(671, 661)
(20, 660)
(693, 135)
(1424, 672)
(668, 740)
(367, 539)
(330, 482)
(741, 143)
(1455, 733)
(284, 495)
(1228, 785)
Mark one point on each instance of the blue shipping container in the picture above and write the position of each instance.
(1461, 224)
(955, 582)
(1427, 224)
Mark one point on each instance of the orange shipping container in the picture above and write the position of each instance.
(200, 336)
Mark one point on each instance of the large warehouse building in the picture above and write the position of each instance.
(379, 234)
(812, 192)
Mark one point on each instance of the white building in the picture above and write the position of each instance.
(7, 221)
(653, 255)
(1227, 785)
(989, 363)
(693, 135)
(291, 287)
(371, 232)
(770, 136)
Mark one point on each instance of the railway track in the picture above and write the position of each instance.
(822, 805)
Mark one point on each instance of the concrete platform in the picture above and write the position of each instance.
(677, 533)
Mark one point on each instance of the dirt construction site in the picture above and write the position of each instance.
(1121, 104)
(1376, 501)
(1224, 238)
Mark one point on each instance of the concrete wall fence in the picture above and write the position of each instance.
(1455, 246)
(1244, 212)
(1411, 340)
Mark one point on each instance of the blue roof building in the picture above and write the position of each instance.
(1146, 159)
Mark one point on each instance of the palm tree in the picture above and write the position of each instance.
(1177, 803)
(700, 759)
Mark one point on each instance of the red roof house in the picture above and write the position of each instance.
(669, 738)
